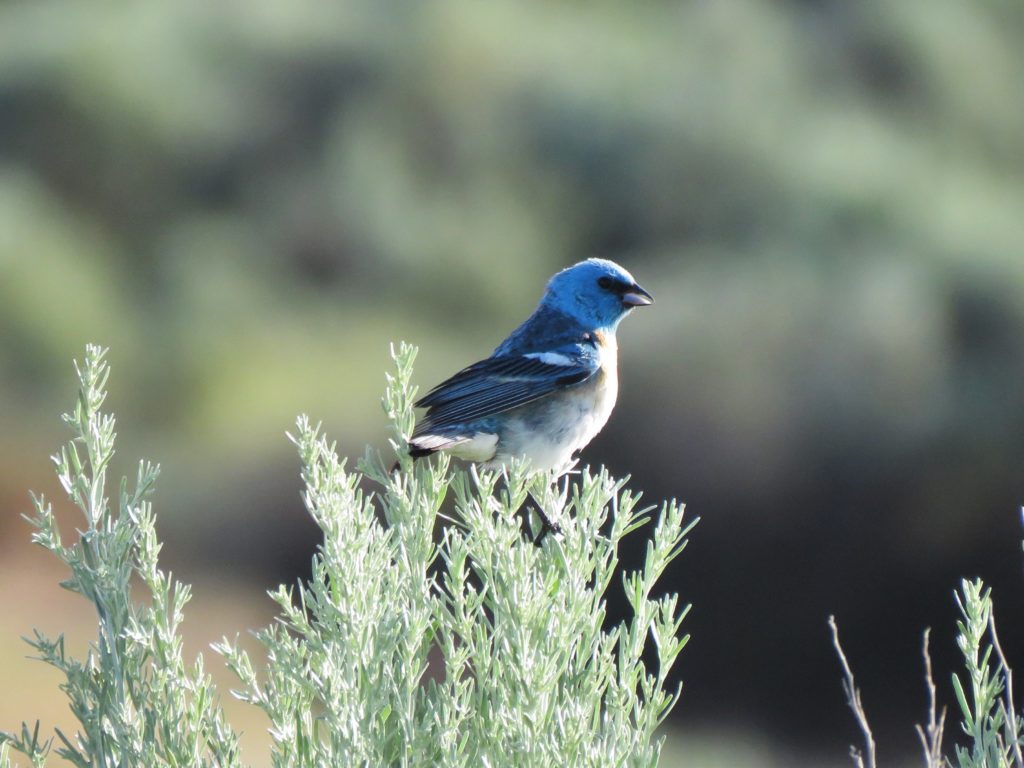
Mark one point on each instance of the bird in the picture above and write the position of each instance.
(546, 390)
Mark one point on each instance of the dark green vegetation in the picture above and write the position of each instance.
(248, 202)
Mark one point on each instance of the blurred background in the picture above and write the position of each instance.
(248, 201)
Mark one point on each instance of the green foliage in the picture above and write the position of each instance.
(479, 649)
(136, 700)
(246, 198)
(235, 183)
(990, 720)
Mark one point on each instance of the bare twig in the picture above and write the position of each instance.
(854, 701)
(931, 735)
(1010, 710)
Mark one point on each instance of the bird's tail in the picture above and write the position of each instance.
(424, 445)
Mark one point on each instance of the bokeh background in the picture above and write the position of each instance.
(248, 201)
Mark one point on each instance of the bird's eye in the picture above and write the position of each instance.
(604, 282)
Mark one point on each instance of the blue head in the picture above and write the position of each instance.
(596, 292)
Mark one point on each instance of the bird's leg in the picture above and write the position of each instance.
(413, 454)
(546, 526)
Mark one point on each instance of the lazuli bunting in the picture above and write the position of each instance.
(549, 388)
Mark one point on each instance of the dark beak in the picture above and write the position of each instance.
(635, 296)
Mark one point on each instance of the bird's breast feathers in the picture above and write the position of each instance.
(606, 388)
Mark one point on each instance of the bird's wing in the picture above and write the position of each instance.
(502, 382)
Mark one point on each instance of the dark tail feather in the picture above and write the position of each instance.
(419, 447)
(424, 445)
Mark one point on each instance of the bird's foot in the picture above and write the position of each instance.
(546, 527)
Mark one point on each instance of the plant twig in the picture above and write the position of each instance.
(1010, 709)
(854, 702)
(931, 735)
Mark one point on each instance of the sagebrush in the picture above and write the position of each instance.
(433, 631)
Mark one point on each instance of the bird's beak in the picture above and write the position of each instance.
(635, 296)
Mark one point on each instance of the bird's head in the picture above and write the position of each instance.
(596, 292)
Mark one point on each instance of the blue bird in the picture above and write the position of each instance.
(549, 388)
